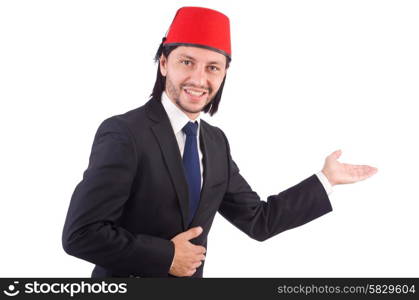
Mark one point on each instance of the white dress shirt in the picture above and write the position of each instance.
(178, 120)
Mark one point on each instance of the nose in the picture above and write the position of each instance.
(199, 76)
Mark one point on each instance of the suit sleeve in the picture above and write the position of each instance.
(92, 231)
(261, 220)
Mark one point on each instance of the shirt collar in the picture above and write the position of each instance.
(177, 117)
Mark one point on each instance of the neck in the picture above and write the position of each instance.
(191, 116)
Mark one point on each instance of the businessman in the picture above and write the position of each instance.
(158, 174)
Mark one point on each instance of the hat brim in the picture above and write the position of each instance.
(199, 46)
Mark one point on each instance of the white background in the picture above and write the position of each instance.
(307, 78)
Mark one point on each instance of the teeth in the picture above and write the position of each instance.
(194, 93)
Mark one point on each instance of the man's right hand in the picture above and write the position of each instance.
(188, 257)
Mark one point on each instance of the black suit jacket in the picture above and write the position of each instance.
(133, 197)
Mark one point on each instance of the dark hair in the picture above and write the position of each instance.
(160, 83)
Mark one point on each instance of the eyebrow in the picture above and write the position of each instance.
(215, 62)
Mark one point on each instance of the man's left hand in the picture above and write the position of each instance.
(341, 173)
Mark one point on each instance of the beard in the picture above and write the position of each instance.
(175, 94)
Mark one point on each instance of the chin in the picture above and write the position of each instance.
(194, 107)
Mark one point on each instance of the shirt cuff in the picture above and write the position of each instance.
(326, 184)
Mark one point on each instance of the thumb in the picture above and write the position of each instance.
(335, 155)
(192, 233)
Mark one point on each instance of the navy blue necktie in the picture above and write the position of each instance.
(192, 168)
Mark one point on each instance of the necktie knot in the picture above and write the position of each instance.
(191, 128)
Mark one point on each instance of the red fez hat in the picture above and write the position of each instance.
(202, 27)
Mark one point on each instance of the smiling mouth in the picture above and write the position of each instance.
(194, 93)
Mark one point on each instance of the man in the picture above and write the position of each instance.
(158, 174)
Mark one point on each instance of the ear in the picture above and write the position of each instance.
(163, 65)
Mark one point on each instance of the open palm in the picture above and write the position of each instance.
(341, 173)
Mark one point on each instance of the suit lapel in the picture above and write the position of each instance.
(164, 134)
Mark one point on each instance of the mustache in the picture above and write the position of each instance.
(188, 85)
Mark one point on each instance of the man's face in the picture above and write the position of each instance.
(193, 77)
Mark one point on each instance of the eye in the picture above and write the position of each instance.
(213, 68)
(186, 62)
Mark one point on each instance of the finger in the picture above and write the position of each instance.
(364, 169)
(360, 172)
(191, 272)
(192, 233)
(197, 265)
(367, 171)
(199, 259)
(199, 249)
